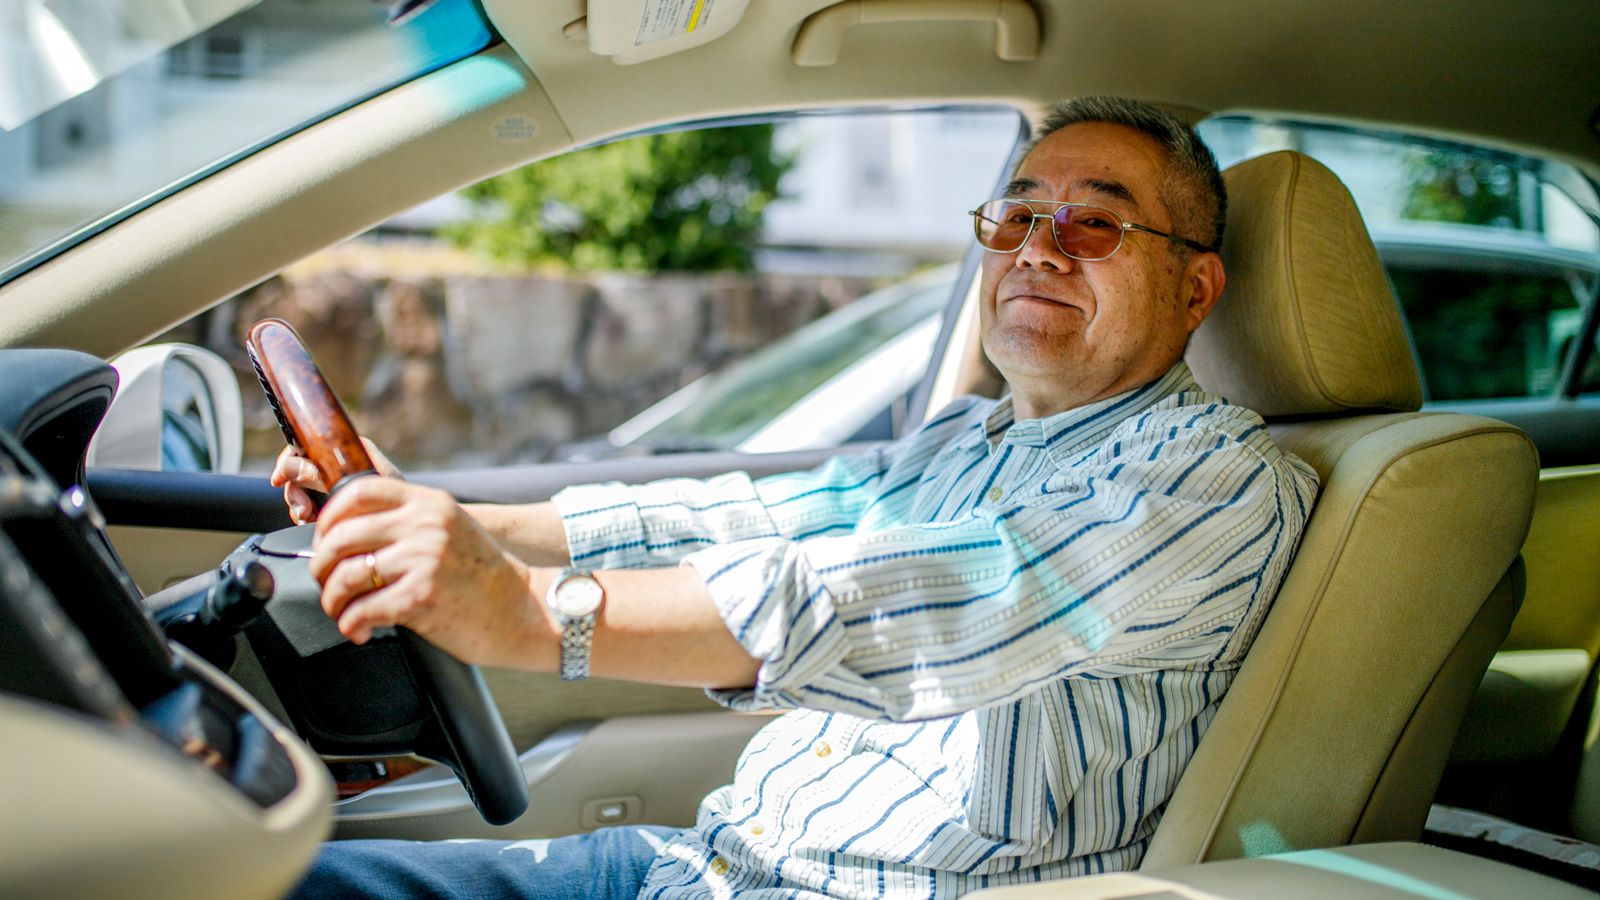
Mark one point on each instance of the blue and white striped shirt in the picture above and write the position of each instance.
(1002, 639)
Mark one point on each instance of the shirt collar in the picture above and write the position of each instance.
(1081, 426)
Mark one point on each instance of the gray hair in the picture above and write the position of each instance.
(1193, 189)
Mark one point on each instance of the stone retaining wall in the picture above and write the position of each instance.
(461, 370)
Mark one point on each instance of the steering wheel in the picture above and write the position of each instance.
(474, 742)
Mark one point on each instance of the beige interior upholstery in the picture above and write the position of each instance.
(163, 826)
(1563, 553)
(1403, 586)
(1519, 742)
(1307, 323)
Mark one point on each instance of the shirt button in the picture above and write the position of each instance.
(995, 494)
(757, 829)
(719, 866)
(823, 749)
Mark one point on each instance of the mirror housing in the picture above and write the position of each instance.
(177, 409)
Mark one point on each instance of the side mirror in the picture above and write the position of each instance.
(177, 409)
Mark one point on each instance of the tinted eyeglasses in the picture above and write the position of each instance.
(1082, 232)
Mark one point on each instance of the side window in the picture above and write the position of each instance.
(759, 287)
(1493, 256)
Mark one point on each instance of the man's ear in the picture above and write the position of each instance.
(1204, 279)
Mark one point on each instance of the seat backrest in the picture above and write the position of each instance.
(1520, 732)
(1337, 724)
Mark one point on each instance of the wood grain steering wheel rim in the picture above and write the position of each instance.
(467, 732)
(310, 414)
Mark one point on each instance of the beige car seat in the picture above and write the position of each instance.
(1339, 722)
(1529, 733)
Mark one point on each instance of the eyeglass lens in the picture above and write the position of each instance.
(1082, 232)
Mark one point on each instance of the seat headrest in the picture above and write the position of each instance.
(1307, 323)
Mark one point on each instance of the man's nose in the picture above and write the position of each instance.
(1040, 250)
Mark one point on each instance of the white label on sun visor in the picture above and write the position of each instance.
(664, 19)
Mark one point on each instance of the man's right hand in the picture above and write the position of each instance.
(297, 475)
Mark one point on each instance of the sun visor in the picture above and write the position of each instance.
(634, 31)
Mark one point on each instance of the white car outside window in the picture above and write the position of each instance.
(822, 385)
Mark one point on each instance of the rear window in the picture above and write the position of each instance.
(1494, 256)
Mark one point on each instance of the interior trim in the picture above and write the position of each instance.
(436, 790)
(822, 34)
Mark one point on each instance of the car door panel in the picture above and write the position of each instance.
(1565, 429)
(625, 770)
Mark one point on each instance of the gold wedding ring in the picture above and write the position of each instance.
(372, 569)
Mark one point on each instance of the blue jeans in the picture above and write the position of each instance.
(609, 864)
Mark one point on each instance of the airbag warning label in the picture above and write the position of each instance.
(664, 19)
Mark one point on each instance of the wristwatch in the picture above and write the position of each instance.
(575, 598)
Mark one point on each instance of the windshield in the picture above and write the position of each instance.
(723, 409)
(107, 105)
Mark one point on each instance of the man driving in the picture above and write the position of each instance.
(1000, 637)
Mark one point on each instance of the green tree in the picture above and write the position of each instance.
(681, 201)
(1483, 334)
(1478, 333)
(1451, 186)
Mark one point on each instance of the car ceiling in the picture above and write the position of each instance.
(1521, 74)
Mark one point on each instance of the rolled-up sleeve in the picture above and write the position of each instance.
(1158, 554)
(617, 526)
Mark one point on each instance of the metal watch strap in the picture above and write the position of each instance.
(577, 633)
(576, 639)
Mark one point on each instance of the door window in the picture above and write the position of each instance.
(760, 287)
(1493, 256)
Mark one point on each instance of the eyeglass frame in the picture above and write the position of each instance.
(1122, 234)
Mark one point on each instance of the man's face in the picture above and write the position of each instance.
(1065, 332)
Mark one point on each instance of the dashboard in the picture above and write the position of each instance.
(131, 765)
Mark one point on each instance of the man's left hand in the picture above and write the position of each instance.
(391, 553)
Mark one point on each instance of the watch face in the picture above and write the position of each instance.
(577, 596)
